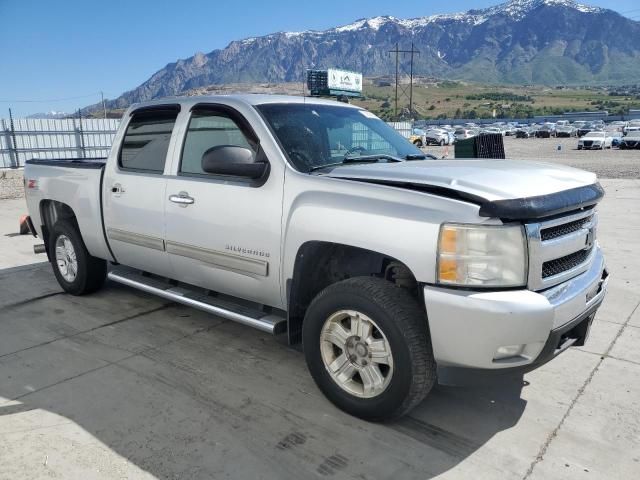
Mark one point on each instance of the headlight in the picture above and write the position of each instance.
(482, 255)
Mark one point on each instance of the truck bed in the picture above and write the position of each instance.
(76, 183)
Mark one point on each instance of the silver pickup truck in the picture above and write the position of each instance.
(316, 221)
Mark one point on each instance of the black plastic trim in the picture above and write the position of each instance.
(88, 163)
(531, 208)
(527, 208)
(163, 107)
(104, 227)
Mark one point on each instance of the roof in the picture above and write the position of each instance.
(246, 98)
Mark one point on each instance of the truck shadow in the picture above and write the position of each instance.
(178, 393)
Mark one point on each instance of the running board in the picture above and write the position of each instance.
(200, 299)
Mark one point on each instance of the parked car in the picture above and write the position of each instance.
(566, 131)
(436, 136)
(630, 141)
(584, 129)
(631, 129)
(524, 132)
(509, 130)
(547, 130)
(284, 213)
(418, 137)
(494, 130)
(616, 139)
(464, 133)
(595, 140)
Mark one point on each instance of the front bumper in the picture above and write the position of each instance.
(469, 327)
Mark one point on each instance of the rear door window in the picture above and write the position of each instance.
(146, 141)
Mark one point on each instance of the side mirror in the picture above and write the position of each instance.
(232, 160)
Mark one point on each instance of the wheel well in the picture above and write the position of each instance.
(320, 264)
(52, 211)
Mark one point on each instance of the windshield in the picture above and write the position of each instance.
(596, 134)
(315, 135)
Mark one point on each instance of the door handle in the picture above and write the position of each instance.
(117, 189)
(183, 199)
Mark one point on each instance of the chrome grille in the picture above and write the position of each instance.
(564, 229)
(561, 248)
(562, 264)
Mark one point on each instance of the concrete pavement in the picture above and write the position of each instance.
(123, 385)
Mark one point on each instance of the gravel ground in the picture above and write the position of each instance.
(11, 184)
(611, 163)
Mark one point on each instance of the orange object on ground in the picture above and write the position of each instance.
(24, 227)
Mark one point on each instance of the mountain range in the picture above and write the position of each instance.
(548, 42)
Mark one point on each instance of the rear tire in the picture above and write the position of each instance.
(77, 272)
(367, 346)
(418, 143)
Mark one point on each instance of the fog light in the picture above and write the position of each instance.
(508, 351)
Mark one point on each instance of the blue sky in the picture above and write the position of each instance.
(69, 50)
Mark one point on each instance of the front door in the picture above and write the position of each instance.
(134, 190)
(223, 233)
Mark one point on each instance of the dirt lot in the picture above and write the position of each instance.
(610, 163)
(123, 385)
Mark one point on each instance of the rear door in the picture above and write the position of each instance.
(134, 190)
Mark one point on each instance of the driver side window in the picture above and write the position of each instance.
(207, 130)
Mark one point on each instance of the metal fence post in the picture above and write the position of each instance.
(13, 145)
(80, 136)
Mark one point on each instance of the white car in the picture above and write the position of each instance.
(464, 133)
(495, 130)
(437, 136)
(595, 141)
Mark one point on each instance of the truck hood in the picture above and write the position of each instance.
(529, 189)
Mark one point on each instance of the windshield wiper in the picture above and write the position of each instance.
(415, 156)
(358, 159)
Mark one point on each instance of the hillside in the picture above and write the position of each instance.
(548, 42)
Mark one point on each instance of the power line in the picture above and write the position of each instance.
(46, 100)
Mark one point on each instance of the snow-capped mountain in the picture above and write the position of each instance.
(50, 114)
(520, 41)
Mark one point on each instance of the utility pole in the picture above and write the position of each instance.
(411, 83)
(397, 53)
(395, 105)
(104, 108)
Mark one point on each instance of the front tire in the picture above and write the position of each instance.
(367, 346)
(77, 272)
(418, 143)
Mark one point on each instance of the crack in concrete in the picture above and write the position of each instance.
(82, 332)
(602, 355)
(11, 306)
(554, 433)
(116, 363)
